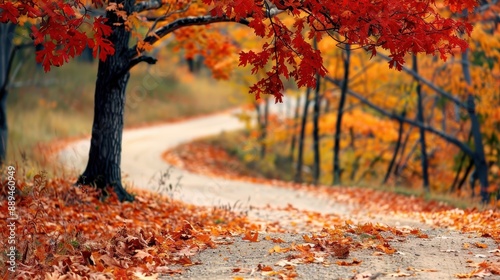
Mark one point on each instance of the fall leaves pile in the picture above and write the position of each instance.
(67, 231)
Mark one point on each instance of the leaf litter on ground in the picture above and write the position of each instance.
(67, 231)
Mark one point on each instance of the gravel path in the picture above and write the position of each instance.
(438, 257)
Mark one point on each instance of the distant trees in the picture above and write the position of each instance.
(8, 51)
(287, 28)
(434, 104)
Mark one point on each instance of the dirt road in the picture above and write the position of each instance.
(440, 256)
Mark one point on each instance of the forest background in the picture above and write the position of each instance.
(363, 124)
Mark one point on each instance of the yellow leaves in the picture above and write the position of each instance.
(278, 249)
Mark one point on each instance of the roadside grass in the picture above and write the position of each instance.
(43, 107)
(278, 165)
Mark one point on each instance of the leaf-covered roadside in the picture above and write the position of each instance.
(66, 230)
(201, 157)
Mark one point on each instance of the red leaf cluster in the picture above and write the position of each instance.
(66, 230)
(59, 29)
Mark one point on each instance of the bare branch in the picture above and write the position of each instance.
(431, 129)
(428, 83)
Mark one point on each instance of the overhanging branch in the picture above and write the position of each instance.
(439, 133)
(161, 32)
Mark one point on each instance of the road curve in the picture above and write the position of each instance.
(142, 165)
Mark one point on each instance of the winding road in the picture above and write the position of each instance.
(437, 257)
(142, 166)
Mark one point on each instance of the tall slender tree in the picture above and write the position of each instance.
(420, 118)
(340, 113)
(300, 156)
(481, 167)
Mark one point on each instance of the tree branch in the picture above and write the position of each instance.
(431, 129)
(428, 83)
(179, 23)
(142, 58)
(147, 5)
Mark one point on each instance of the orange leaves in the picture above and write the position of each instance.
(480, 245)
(386, 248)
(67, 230)
(251, 236)
(352, 263)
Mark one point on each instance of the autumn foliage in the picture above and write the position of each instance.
(66, 28)
(67, 231)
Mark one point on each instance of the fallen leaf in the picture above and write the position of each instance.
(353, 262)
(252, 237)
(480, 245)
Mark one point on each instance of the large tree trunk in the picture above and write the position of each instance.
(6, 56)
(420, 118)
(103, 168)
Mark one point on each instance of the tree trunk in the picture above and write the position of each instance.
(479, 157)
(420, 118)
(295, 123)
(396, 149)
(6, 56)
(317, 100)
(103, 168)
(263, 129)
(466, 174)
(300, 156)
(459, 169)
(338, 125)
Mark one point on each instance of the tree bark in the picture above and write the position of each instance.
(295, 123)
(420, 118)
(263, 129)
(103, 167)
(338, 125)
(479, 157)
(459, 169)
(317, 160)
(300, 156)
(6, 56)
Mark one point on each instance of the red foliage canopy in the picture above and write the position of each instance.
(399, 26)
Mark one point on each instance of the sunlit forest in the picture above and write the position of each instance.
(366, 124)
(249, 139)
